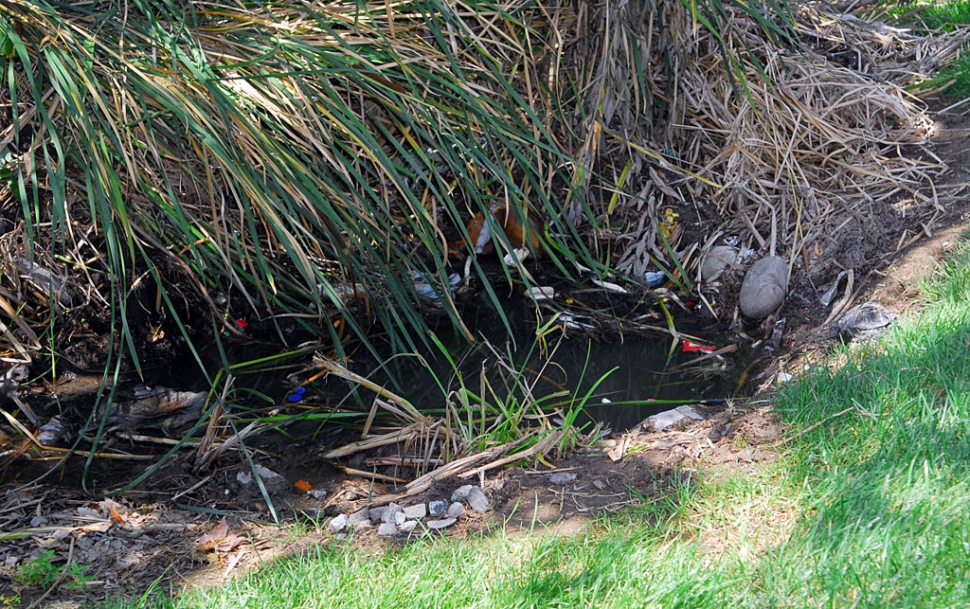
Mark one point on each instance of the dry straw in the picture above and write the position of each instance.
(780, 141)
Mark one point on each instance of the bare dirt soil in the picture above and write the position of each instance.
(144, 538)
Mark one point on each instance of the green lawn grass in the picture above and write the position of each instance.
(866, 506)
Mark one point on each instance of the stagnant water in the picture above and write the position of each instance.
(620, 377)
(635, 374)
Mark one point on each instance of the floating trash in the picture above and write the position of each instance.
(52, 432)
(427, 290)
(655, 278)
(541, 293)
(296, 395)
(610, 287)
(829, 295)
(864, 322)
(517, 255)
(692, 347)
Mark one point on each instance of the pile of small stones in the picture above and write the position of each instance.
(394, 520)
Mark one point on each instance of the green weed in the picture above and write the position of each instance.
(41, 572)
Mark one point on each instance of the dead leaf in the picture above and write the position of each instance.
(209, 540)
(220, 539)
(616, 453)
(115, 510)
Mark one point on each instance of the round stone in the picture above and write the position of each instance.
(716, 259)
(764, 287)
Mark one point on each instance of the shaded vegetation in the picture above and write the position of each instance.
(306, 159)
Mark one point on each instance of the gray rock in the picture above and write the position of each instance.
(437, 508)
(400, 518)
(390, 514)
(674, 419)
(275, 484)
(764, 287)
(416, 512)
(339, 523)
(360, 516)
(478, 500)
(455, 510)
(387, 529)
(440, 524)
(408, 526)
(716, 259)
(562, 478)
(665, 420)
(318, 493)
(690, 412)
(461, 493)
(363, 524)
(377, 514)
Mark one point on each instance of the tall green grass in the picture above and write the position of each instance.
(285, 154)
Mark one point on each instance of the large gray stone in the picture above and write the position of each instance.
(440, 524)
(339, 523)
(387, 529)
(455, 510)
(416, 511)
(360, 516)
(408, 526)
(478, 500)
(391, 513)
(764, 287)
(461, 493)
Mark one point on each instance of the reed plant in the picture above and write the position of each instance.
(305, 159)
